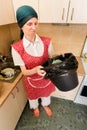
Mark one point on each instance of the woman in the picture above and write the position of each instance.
(30, 53)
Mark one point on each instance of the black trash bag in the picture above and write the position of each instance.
(62, 71)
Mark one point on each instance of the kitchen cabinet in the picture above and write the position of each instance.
(77, 11)
(49, 11)
(20, 95)
(53, 11)
(70, 11)
(18, 3)
(12, 108)
(46, 10)
(9, 113)
(61, 9)
(6, 12)
(69, 95)
(57, 11)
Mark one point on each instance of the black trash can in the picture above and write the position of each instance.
(65, 82)
(62, 71)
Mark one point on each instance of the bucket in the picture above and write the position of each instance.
(65, 82)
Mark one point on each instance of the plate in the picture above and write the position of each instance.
(9, 72)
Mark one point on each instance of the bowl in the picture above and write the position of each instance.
(9, 71)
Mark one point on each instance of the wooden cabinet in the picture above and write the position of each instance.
(12, 108)
(6, 12)
(18, 3)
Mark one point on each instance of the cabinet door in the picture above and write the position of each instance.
(6, 12)
(53, 11)
(20, 95)
(18, 3)
(46, 11)
(78, 11)
(69, 95)
(61, 10)
(9, 113)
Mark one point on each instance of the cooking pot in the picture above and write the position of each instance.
(62, 70)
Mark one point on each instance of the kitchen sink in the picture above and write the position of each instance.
(6, 71)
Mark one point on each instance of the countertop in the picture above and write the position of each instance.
(7, 88)
(80, 69)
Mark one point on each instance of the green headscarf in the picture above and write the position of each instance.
(25, 13)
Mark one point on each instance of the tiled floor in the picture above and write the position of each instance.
(66, 116)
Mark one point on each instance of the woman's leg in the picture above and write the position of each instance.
(45, 102)
(34, 105)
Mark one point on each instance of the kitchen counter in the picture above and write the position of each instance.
(80, 69)
(8, 87)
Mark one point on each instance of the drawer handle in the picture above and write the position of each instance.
(13, 95)
(17, 89)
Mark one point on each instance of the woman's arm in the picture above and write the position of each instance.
(36, 69)
(50, 50)
(19, 62)
(16, 58)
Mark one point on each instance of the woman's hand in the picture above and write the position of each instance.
(40, 71)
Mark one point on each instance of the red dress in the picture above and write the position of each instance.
(35, 85)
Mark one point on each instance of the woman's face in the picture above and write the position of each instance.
(30, 27)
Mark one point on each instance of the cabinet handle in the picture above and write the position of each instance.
(13, 95)
(63, 13)
(68, 10)
(72, 14)
(17, 89)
